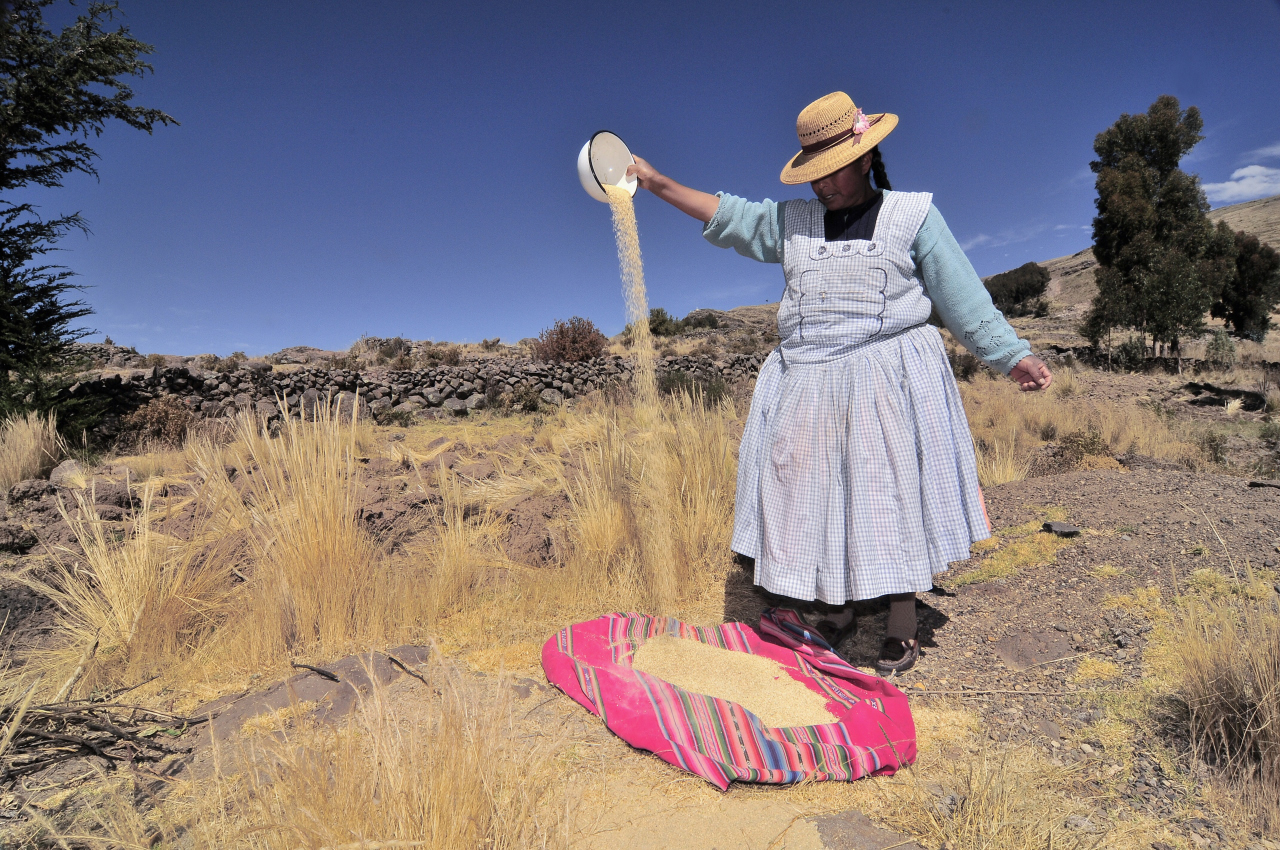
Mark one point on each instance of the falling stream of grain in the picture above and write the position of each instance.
(663, 574)
(627, 236)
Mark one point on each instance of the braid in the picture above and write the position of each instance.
(877, 169)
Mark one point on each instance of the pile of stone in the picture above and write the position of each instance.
(473, 384)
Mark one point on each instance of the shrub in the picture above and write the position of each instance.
(527, 398)
(708, 391)
(662, 323)
(1129, 355)
(162, 420)
(491, 344)
(230, 364)
(569, 342)
(963, 364)
(1012, 290)
(214, 363)
(1214, 446)
(1221, 351)
(1078, 445)
(706, 320)
(156, 360)
(392, 348)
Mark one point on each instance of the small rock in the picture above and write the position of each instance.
(550, 396)
(16, 539)
(1079, 822)
(1051, 730)
(1062, 529)
(1086, 749)
(32, 488)
(67, 474)
(455, 405)
(1125, 537)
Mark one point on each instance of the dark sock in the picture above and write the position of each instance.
(902, 617)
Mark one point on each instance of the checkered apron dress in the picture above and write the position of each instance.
(856, 474)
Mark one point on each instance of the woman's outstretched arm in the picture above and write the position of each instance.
(700, 205)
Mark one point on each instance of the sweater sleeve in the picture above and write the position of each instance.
(753, 229)
(961, 300)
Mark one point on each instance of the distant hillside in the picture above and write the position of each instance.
(1071, 278)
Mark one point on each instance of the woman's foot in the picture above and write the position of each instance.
(835, 624)
(897, 656)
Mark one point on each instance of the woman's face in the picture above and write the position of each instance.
(847, 187)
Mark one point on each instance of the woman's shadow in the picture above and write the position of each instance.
(744, 600)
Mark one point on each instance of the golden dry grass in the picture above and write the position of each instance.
(438, 770)
(29, 448)
(129, 608)
(316, 584)
(1009, 425)
(1228, 684)
(314, 578)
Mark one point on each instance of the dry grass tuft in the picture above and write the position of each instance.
(1229, 689)
(316, 578)
(1001, 462)
(652, 507)
(132, 607)
(1010, 426)
(438, 771)
(29, 447)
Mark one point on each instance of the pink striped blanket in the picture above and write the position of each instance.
(720, 740)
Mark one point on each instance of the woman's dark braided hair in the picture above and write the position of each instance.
(877, 169)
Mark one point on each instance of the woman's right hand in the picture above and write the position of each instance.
(644, 173)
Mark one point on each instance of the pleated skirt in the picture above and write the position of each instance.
(857, 476)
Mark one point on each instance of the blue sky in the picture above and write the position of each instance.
(409, 167)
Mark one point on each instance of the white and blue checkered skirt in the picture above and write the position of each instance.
(856, 476)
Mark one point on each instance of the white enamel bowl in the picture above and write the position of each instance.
(602, 162)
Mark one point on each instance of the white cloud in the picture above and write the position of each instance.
(1246, 184)
(1004, 237)
(1269, 152)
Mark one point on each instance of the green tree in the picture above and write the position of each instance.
(1161, 263)
(1012, 290)
(1247, 300)
(57, 92)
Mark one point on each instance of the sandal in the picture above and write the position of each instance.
(897, 656)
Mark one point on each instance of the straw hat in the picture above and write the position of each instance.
(833, 133)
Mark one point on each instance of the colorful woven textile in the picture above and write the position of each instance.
(720, 740)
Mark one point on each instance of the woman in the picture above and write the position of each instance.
(856, 475)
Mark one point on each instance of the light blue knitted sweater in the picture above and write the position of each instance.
(754, 229)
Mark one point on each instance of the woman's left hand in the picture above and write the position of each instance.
(1031, 374)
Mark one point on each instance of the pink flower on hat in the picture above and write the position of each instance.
(860, 123)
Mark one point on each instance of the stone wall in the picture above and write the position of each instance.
(473, 384)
